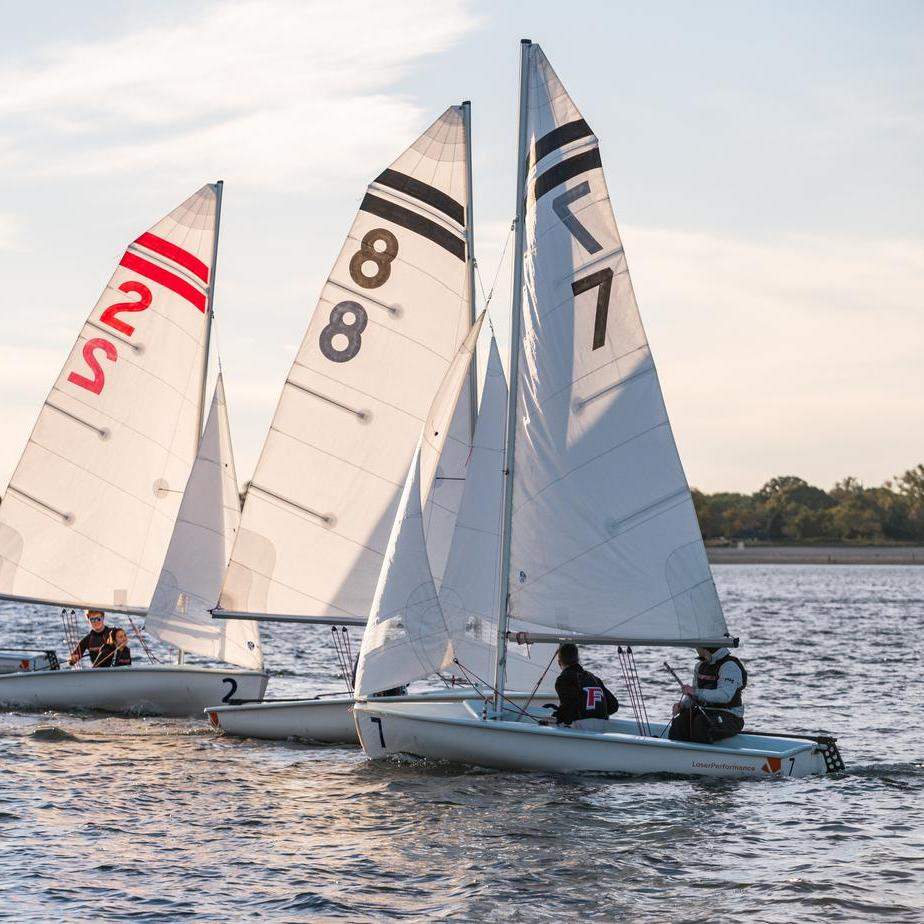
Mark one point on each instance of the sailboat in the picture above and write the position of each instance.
(116, 500)
(391, 317)
(599, 541)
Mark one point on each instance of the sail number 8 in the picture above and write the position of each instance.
(341, 339)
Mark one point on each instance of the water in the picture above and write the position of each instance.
(152, 819)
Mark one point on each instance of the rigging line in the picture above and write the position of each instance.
(144, 644)
(496, 692)
(539, 681)
(486, 298)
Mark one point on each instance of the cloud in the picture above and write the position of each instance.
(268, 92)
(797, 354)
(9, 232)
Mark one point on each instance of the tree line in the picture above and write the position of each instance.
(789, 509)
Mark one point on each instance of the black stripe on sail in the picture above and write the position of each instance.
(424, 192)
(573, 166)
(559, 137)
(414, 222)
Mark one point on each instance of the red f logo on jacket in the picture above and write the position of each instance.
(594, 695)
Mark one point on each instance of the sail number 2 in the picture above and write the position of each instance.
(99, 345)
(341, 339)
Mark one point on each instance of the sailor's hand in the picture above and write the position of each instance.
(72, 659)
(688, 690)
(676, 709)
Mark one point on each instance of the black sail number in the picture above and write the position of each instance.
(347, 322)
(602, 281)
(227, 698)
(368, 253)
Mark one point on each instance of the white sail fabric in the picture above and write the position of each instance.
(442, 507)
(468, 594)
(90, 508)
(198, 554)
(320, 507)
(415, 631)
(405, 637)
(604, 535)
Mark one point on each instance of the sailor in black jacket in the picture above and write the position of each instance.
(581, 695)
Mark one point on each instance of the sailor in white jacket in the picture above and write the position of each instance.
(711, 708)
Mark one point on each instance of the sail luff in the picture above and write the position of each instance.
(470, 238)
(510, 438)
(210, 308)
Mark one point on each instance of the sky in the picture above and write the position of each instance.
(763, 160)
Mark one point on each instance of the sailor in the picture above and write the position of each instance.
(121, 654)
(581, 695)
(98, 643)
(711, 707)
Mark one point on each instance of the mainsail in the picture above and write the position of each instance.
(90, 508)
(320, 506)
(604, 537)
(197, 556)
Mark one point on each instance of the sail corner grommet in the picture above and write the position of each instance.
(161, 488)
(104, 433)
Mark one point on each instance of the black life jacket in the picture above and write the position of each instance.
(707, 678)
(583, 695)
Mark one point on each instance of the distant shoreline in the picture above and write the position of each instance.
(817, 555)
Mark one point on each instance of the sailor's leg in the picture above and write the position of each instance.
(681, 727)
(723, 725)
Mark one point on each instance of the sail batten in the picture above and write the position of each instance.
(387, 325)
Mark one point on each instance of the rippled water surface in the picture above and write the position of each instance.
(108, 817)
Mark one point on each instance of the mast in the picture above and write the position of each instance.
(219, 186)
(209, 311)
(470, 269)
(500, 666)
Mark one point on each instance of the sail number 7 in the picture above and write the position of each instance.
(98, 344)
(602, 281)
(341, 339)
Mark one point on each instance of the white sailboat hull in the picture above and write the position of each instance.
(608, 746)
(156, 689)
(328, 721)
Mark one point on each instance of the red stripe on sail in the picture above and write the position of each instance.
(172, 252)
(165, 278)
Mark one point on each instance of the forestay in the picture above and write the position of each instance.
(320, 507)
(604, 537)
(197, 556)
(413, 630)
(90, 508)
